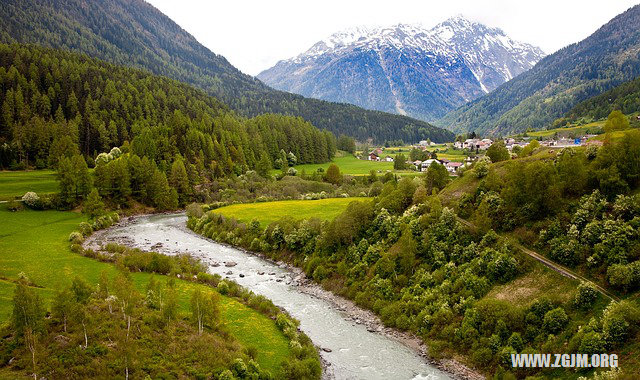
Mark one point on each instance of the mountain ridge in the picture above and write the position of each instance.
(405, 68)
(557, 83)
(134, 33)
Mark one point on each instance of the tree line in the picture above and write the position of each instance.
(406, 257)
(114, 330)
(56, 102)
(111, 31)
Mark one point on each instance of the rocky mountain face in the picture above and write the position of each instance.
(406, 69)
(557, 83)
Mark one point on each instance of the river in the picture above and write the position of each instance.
(351, 349)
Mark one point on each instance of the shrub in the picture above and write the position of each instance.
(32, 200)
(482, 356)
(555, 320)
(481, 167)
(516, 342)
(586, 295)
(115, 152)
(103, 158)
(76, 237)
(591, 343)
(15, 206)
(85, 229)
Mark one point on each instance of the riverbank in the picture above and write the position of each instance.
(351, 312)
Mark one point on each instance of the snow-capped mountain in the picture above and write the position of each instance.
(406, 69)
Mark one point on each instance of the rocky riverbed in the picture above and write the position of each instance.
(352, 341)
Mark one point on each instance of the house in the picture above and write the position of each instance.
(388, 159)
(426, 143)
(452, 167)
(478, 144)
(458, 145)
(425, 164)
(373, 157)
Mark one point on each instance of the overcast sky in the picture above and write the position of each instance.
(254, 35)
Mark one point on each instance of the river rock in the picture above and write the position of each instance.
(229, 273)
(272, 273)
(261, 273)
(241, 275)
(215, 264)
(326, 349)
(230, 264)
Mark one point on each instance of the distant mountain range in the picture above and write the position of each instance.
(607, 58)
(406, 69)
(134, 33)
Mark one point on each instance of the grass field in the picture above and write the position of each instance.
(15, 184)
(348, 164)
(571, 130)
(615, 135)
(267, 212)
(35, 242)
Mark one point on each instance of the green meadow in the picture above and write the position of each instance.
(15, 184)
(574, 130)
(35, 243)
(267, 212)
(348, 164)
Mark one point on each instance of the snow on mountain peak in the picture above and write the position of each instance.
(445, 65)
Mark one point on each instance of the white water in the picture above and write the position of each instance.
(355, 352)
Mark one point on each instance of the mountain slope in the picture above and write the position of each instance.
(406, 69)
(134, 33)
(625, 97)
(534, 99)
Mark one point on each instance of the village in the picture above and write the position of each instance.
(469, 150)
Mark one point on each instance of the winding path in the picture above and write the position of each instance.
(566, 272)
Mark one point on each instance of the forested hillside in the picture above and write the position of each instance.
(134, 33)
(625, 97)
(57, 103)
(467, 287)
(558, 82)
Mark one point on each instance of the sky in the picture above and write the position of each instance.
(255, 35)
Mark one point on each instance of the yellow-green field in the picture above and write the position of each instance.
(15, 184)
(351, 165)
(575, 129)
(348, 164)
(267, 212)
(35, 243)
(615, 135)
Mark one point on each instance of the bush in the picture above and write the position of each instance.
(482, 356)
(115, 152)
(591, 343)
(85, 229)
(555, 321)
(32, 200)
(103, 158)
(76, 237)
(481, 167)
(15, 206)
(587, 294)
